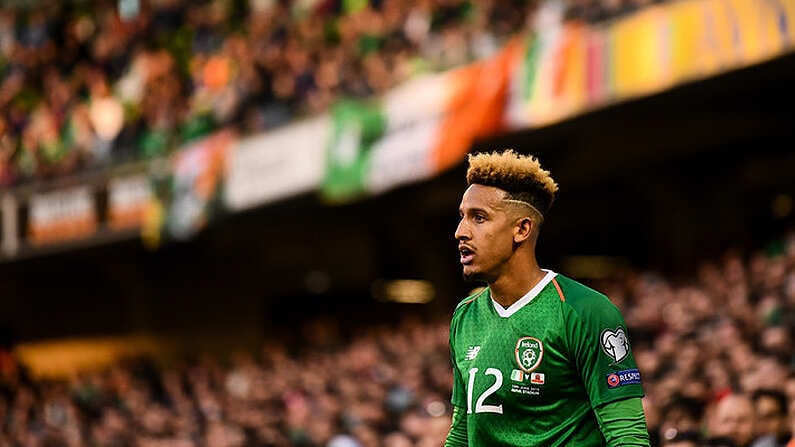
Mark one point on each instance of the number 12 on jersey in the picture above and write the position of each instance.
(480, 407)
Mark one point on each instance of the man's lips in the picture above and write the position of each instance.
(467, 254)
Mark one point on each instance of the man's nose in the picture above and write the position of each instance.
(461, 232)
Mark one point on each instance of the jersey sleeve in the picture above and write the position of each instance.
(622, 423)
(459, 392)
(599, 344)
(457, 436)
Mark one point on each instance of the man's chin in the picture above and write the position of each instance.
(471, 275)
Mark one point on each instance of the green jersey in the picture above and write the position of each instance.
(531, 374)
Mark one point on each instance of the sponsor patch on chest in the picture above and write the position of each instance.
(472, 352)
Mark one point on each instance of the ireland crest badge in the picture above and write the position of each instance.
(529, 352)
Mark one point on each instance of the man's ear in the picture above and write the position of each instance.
(523, 229)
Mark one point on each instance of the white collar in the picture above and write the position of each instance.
(521, 302)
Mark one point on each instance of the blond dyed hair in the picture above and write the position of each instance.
(520, 176)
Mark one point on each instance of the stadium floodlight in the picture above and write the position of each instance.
(409, 291)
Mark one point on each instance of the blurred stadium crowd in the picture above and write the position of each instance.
(715, 350)
(87, 84)
(85, 87)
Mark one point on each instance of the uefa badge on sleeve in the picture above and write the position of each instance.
(615, 344)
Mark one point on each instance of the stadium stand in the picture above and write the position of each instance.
(84, 87)
(88, 86)
(725, 332)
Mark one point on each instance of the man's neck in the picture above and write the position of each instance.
(510, 287)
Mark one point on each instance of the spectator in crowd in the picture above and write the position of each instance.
(734, 420)
(680, 415)
(684, 439)
(772, 422)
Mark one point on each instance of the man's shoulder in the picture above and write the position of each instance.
(467, 302)
(581, 298)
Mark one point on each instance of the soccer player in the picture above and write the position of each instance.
(538, 358)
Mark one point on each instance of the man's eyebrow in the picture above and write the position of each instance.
(473, 210)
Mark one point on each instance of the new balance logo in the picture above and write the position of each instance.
(472, 352)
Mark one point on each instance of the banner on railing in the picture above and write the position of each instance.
(61, 216)
(569, 68)
(416, 131)
(128, 198)
(356, 127)
(279, 164)
(188, 194)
